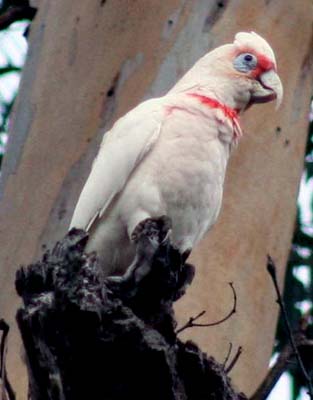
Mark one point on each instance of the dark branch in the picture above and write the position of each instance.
(6, 386)
(227, 355)
(191, 323)
(234, 360)
(285, 358)
(274, 374)
(16, 13)
(272, 271)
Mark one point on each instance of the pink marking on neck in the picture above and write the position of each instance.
(229, 112)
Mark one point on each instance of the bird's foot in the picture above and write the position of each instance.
(155, 229)
(148, 236)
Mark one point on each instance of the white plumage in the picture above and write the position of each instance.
(168, 156)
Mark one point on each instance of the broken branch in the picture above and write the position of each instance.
(72, 320)
(234, 360)
(227, 355)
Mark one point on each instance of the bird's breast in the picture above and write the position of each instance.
(189, 163)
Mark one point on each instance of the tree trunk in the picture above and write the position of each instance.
(91, 61)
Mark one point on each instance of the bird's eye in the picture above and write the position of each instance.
(245, 62)
(248, 57)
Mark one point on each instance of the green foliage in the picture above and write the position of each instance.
(8, 68)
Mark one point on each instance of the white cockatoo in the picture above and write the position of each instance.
(168, 156)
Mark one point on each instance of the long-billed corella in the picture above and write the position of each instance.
(168, 156)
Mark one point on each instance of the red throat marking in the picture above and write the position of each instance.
(229, 112)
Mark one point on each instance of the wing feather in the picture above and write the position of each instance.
(122, 149)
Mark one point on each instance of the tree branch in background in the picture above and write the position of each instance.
(234, 360)
(16, 13)
(285, 358)
(293, 342)
(227, 355)
(191, 323)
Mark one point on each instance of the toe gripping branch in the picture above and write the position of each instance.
(90, 337)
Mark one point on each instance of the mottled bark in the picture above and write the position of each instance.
(91, 61)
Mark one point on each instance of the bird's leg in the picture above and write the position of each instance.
(153, 227)
(185, 255)
(148, 235)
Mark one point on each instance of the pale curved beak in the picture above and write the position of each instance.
(271, 81)
(268, 87)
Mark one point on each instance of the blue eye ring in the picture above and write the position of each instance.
(245, 62)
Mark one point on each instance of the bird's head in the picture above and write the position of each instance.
(253, 64)
(238, 74)
(249, 67)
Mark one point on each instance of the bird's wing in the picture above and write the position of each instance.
(122, 149)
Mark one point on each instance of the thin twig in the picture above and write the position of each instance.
(234, 360)
(272, 271)
(227, 355)
(191, 323)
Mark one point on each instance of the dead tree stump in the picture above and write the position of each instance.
(87, 337)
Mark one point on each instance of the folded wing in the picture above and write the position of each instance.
(121, 151)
